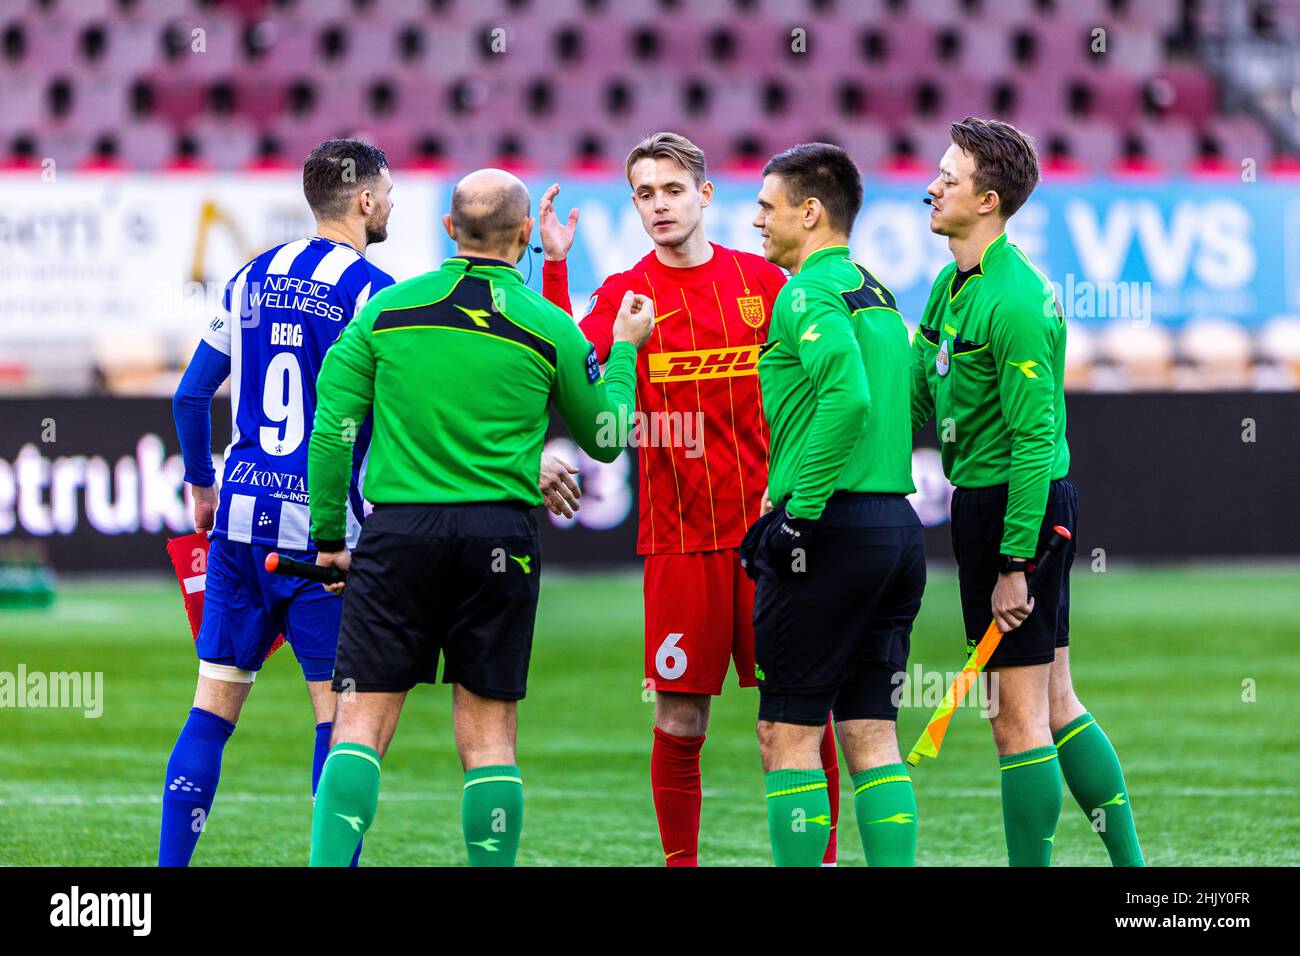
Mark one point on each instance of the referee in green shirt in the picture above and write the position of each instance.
(839, 563)
(458, 366)
(988, 362)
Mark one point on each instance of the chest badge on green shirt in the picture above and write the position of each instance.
(941, 360)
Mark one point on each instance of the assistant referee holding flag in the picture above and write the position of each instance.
(840, 562)
(988, 362)
(459, 366)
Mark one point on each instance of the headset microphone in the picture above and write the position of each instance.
(928, 200)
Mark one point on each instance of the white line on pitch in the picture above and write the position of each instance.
(79, 800)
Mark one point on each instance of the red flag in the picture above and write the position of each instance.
(189, 555)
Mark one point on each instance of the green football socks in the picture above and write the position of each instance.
(1031, 805)
(885, 805)
(492, 815)
(798, 816)
(346, 800)
(1093, 773)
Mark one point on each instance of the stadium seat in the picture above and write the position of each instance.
(1012, 11)
(835, 13)
(1190, 91)
(906, 43)
(1242, 138)
(260, 97)
(1143, 355)
(145, 144)
(1094, 143)
(1116, 96)
(135, 44)
(83, 12)
(1156, 14)
(931, 141)
(178, 100)
(131, 361)
(1066, 44)
(51, 45)
(633, 11)
(1279, 343)
(66, 143)
(932, 11)
(888, 100)
(1215, 353)
(1039, 100)
(867, 142)
(226, 144)
(390, 134)
(986, 50)
(372, 48)
(1132, 48)
(321, 10)
(1080, 356)
(47, 367)
(102, 102)
(23, 108)
(1171, 143)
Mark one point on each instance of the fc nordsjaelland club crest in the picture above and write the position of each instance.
(751, 310)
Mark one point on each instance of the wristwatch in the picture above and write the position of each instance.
(1009, 565)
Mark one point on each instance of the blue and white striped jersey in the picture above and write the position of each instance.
(280, 314)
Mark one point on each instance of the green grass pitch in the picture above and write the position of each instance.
(1162, 657)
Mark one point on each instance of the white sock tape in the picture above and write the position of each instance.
(226, 672)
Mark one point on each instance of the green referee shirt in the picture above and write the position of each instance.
(458, 365)
(989, 363)
(834, 375)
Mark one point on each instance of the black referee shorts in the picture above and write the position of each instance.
(977, 516)
(460, 580)
(833, 637)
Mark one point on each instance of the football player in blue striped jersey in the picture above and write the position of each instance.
(280, 313)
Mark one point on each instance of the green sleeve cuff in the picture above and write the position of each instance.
(619, 348)
(805, 509)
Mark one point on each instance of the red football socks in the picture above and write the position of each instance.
(675, 781)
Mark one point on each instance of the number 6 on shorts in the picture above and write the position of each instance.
(670, 660)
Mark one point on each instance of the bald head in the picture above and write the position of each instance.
(489, 209)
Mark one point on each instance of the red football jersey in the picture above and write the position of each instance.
(703, 442)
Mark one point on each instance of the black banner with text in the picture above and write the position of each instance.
(98, 481)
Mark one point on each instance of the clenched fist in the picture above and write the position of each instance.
(636, 319)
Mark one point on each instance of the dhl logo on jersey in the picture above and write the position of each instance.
(703, 363)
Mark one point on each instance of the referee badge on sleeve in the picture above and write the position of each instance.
(593, 366)
(941, 361)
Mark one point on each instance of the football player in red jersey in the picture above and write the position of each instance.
(702, 457)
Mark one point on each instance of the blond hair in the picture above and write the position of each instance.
(672, 146)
